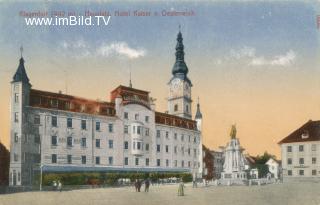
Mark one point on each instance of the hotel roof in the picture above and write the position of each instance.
(310, 131)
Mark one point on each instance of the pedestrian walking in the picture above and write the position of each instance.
(59, 186)
(147, 184)
(136, 184)
(181, 188)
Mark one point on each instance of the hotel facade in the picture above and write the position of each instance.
(300, 152)
(55, 132)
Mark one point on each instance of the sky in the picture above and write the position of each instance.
(254, 63)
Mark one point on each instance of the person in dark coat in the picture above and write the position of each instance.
(147, 184)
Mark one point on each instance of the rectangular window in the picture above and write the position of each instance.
(54, 141)
(182, 137)
(147, 147)
(167, 162)
(126, 161)
(314, 147)
(175, 163)
(167, 135)
(36, 139)
(36, 119)
(111, 144)
(147, 161)
(301, 172)
(137, 161)
(175, 149)
(147, 118)
(289, 161)
(15, 157)
(189, 164)
(167, 148)
(69, 157)
(126, 129)
(110, 127)
(54, 159)
(69, 141)
(182, 150)
(136, 116)
(138, 130)
(97, 126)
(158, 148)
(69, 122)
(182, 163)
(189, 139)
(110, 159)
(97, 143)
(158, 133)
(301, 148)
(301, 161)
(289, 172)
(83, 124)
(139, 145)
(16, 138)
(314, 160)
(147, 131)
(97, 160)
(83, 142)
(126, 116)
(314, 172)
(289, 149)
(195, 139)
(126, 145)
(158, 162)
(194, 152)
(54, 121)
(16, 98)
(175, 136)
(16, 117)
(83, 159)
(189, 151)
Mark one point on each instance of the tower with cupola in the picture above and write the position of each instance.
(179, 99)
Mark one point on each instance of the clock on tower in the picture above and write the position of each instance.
(179, 100)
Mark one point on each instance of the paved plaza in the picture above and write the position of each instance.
(303, 193)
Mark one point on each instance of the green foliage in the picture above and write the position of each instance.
(102, 178)
(264, 158)
(262, 169)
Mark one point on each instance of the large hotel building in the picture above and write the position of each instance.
(57, 132)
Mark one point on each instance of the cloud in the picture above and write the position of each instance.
(120, 49)
(249, 56)
(80, 48)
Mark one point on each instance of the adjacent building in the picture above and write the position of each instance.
(57, 132)
(218, 161)
(300, 152)
(274, 168)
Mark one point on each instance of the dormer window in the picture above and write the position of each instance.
(305, 134)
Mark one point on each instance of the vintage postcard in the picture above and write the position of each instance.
(159, 102)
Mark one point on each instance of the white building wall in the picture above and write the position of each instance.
(297, 169)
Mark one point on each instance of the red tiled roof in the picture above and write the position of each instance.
(172, 120)
(311, 129)
(59, 101)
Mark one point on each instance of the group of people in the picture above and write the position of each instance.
(57, 185)
(138, 184)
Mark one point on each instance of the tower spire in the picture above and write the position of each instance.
(198, 113)
(21, 74)
(21, 50)
(180, 67)
(130, 83)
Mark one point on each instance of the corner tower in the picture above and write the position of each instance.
(20, 91)
(179, 100)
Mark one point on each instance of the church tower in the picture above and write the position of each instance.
(179, 100)
(20, 90)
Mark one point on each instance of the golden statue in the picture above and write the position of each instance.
(233, 132)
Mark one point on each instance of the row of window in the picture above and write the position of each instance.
(175, 150)
(301, 160)
(83, 142)
(126, 161)
(54, 123)
(26, 138)
(301, 172)
(136, 117)
(176, 136)
(301, 148)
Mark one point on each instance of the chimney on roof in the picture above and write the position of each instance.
(60, 92)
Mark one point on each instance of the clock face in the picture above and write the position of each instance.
(176, 83)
